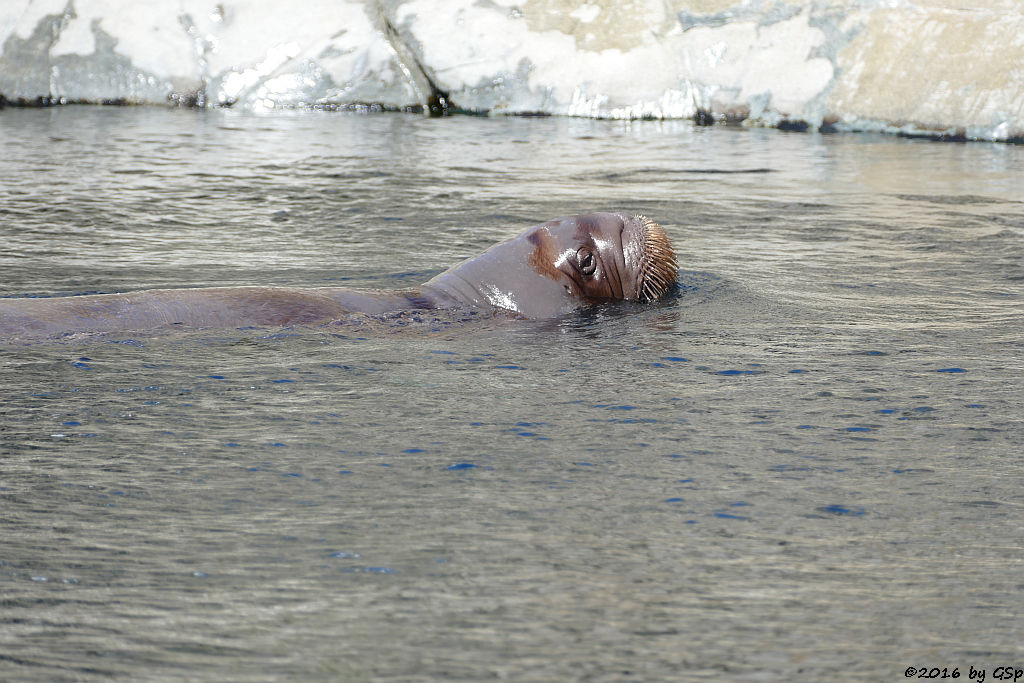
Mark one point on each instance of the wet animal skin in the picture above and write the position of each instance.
(549, 270)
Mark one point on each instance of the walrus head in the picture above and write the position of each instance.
(555, 267)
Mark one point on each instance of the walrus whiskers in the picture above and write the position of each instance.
(658, 267)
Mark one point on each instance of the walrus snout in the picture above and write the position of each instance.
(656, 268)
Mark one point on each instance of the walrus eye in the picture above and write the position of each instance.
(588, 264)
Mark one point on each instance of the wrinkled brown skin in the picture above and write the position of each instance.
(541, 273)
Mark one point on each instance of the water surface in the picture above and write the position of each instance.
(804, 465)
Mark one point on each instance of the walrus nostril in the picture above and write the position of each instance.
(658, 267)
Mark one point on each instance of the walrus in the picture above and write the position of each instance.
(549, 270)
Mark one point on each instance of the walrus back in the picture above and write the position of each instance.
(42, 318)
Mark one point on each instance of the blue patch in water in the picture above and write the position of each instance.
(793, 372)
(806, 427)
(71, 423)
(673, 500)
(858, 429)
(739, 503)
(923, 409)
(621, 407)
(886, 411)
(446, 353)
(281, 381)
(726, 515)
(414, 450)
(344, 554)
(232, 444)
(81, 365)
(252, 469)
(735, 372)
(292, 474)
(344, 471)
(686, 481)
(584, 464)
(975, 405)
(951, 370)
(277, 444)
(462, 466)
(380, 570)
(216, 376)
(854, 510)
(675, 359)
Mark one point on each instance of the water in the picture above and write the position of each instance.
(806, 465)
